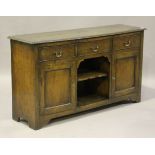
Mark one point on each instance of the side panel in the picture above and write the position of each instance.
(24, 82)
(140, 67)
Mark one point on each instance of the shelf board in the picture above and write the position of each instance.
(90, 75)
(93, 98)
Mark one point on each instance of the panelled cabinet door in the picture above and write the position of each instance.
(57, 87)
(125, 73)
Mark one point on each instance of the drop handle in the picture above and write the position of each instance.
(127, 44)
(58, 54)
(95, 49)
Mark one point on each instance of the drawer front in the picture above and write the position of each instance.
(94, 46)
(56, 52)
(126, 41)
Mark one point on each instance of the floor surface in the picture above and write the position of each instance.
(125, 120)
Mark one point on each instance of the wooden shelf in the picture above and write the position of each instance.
(90, 75)
(93, 98)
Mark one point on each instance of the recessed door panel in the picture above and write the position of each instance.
(57, 88)
(125, 73)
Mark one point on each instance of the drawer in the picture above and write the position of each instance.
(126, 41)
(94, 46)
(56, 52)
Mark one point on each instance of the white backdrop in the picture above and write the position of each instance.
(25, 25)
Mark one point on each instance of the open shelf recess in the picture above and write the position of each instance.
(93, 81)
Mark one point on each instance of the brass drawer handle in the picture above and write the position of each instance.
(58, 54)
(127, 44)
(95, 49)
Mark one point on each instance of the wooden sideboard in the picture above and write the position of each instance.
(65, 72)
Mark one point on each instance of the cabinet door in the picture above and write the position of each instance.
(57, 86)
(125, 72)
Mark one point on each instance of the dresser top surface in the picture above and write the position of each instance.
(74, 34)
